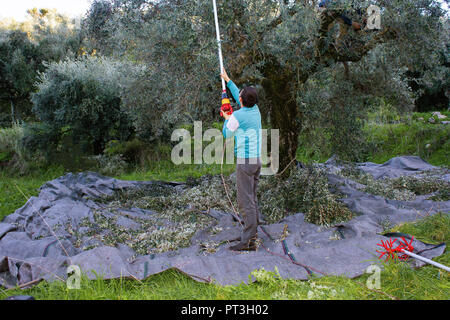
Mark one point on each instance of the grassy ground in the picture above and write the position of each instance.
(398, 280)
(10, 196)
(392, 135)
(167, 171)
(411, 139)
(409, 134)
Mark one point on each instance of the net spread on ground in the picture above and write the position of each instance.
(135, 229)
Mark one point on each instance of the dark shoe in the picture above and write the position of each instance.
(243, 246)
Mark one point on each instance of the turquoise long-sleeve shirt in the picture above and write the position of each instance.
(245, 125)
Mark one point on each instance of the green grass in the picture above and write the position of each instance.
(407, 136)
(11, 198)
(167, 171)
(435, 229)
(397, 280)
(401, 139)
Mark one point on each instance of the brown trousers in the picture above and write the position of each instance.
(247, 177)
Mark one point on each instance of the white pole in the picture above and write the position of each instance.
(219, 42)
(426, 260)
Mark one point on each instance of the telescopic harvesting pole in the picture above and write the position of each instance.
(226, 106)
(405, 248)
(219, 42)
(415, 256)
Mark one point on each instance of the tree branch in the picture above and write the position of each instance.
(277, 21)
(348, 46)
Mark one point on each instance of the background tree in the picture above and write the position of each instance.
(44, 36)
(431, 82)
(19, 65)
(81, 99)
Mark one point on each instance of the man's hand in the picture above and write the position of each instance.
(224, 75)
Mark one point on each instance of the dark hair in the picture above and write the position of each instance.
(249, 97)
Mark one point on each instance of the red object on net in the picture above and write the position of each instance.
(393, 253)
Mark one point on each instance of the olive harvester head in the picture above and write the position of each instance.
(226, 105)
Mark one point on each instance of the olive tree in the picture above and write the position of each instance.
(277, 45)
(82, 99)
(44, 37)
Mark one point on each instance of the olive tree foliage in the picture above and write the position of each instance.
(179, 83)
(431, 82)
(19, 63)
(96, 23)
(58, 36)
(426, 59)
(335, 103)
(277, 45)
(44, 36)
(81, 99)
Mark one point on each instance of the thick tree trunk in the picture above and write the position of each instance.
(97, 147)
(279, 87)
